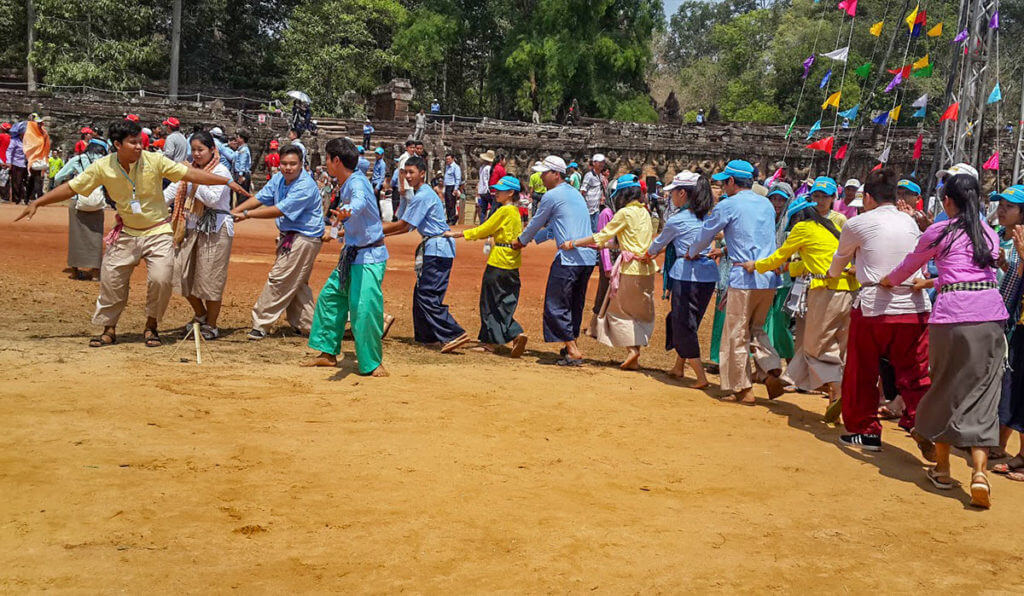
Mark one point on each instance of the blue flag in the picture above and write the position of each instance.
(881, 118)
(996, 94)
(920, 113)
(851, 113)
(824, 80)
(814, 128)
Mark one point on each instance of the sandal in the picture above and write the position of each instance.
(1010, 467)
(1016, 476)
(106, 339)
(389, 320)
(152, 338)
(209, 332)
(926, 447)
(572, 362)
(939, 481)
(981, 492)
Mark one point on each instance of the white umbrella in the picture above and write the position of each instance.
(299, 95)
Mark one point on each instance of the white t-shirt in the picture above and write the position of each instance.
(214, 197)
(482, 187)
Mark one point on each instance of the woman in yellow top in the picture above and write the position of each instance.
(821, 349)
(627, 314)
(499, 292)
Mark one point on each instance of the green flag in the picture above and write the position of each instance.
(864, 70)
(923, 72)
(790, 129)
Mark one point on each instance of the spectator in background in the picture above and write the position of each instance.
(86, 135)
(421, 125)
(537, 189)
(5, 174)
(485, 200)
(56, 162)
(273, 159)
(227, 153)
(575, 180)
(243, 164)
(452, 188)
(368, 131)
(593, 188)
(17, 164)
(435, 107)
(498, 171)
(176, 148)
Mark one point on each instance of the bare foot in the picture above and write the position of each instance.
(455, 344)
(324, 359)
(701, 384)
(380, 371)
(483, 348)
(745, 397)
(632, 362)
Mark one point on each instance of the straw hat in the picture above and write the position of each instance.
(488, 156)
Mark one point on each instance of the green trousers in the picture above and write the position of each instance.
(716, 328)
(777, 325)
(362, 302)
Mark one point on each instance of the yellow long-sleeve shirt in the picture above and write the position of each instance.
(631, 228)
(505, 226)
(816, 246)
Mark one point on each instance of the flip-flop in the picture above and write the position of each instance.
(455, 344)
(936, 481)
(926, 447)
(1016, 476)
(574, 362)
(389, 320)
(519, 346)
(98, 342)
(981, 492)
(1009, 467)
(732, 399)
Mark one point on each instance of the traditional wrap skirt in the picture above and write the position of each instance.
(499, 297)
(85, 238)
(627, 317)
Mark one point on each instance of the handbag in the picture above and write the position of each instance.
(39, 165)
(796, 304)
(94, 202)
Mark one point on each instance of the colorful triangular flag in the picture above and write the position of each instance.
(833, 100)
(919, 23)
(884, 157)
(842, 151)
(881, 118)
(996, 94)
(824, 79)
(951, 113)
(863, 70)
(850, 113)
(922, 63)
(896, 80)
(850, 6)
(838, 55)
(807, 65)
(814, 128)
(920, 102)
(935, 31)
(992, 163)
(823, 145)
(903, 70)
(790, 129)
(993, 23)
(912, 18)
(920, 113)
(960, 37)
(923, 73)
(894, 114)
(876, 29)
(918, 145)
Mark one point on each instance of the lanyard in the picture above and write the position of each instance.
(125, 174)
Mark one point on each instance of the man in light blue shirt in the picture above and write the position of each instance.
(368, 131)
(243, 163)
(748, 223)
(380, 171)
(452, 188)
(227, 154)
(353, 290)
(432, 322)
(293, 199)
(562, 215)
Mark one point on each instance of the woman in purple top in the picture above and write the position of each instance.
(965, 335)
(606, 257)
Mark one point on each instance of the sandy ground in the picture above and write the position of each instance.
(126, 469)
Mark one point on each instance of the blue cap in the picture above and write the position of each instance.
(573, 164)
(780, 192)
(825, 184)
(909, 185)
(736, 168)
(1014, 194)
(363, 165)
(799, 205)
(625, 181)
(507, 183)
(360, 149)
(379, 151)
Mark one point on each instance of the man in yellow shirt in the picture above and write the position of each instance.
(499, 292)
(133, 179)
(537, 190)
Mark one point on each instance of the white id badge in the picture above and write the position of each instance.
(136, 207)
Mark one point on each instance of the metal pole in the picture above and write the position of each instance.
(30, 71)
(944, 152)
(175, 50)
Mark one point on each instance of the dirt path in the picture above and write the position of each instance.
(125, 469)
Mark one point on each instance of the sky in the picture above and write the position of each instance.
(671, 6)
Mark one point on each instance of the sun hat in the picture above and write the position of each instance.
(960, 168)
(216, 131)
(146, 131)
(852, 182)
(551, 163)
(172, 121)
(598, 157)
(799, 205)
(909, 185)
(1013, 194)
(682, 179)
(507, 183)
(824, 184)
(625, 181)
(736, 168)
(487, 156)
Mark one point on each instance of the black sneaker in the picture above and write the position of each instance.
(865, 442)
(256, 335)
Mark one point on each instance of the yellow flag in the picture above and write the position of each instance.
(894, 114)
(935, 31)
(912, 17)
(833, 100)
(876, 29)
(923, 62)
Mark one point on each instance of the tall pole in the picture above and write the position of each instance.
(175, 49)
(30, 40)
(1020, 140)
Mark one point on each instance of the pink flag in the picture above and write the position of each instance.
(992, 163)
(850, 6)
(842, 152)
(918, 145)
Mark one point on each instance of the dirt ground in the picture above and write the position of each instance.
(124, 468)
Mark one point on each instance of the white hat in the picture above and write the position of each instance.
(852, 182)
(960, 168)
(684, 178)
(216, 131)
(598, 157)
(551, 163)
(147, 131)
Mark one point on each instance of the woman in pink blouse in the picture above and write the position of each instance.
(965, 334)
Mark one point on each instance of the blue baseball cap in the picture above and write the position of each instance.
(573, 164)
(799, 205)
(909, 185)
(1014, 194)
(625, 181)
(379, 151)
(360, 149)
(780, 192)
(825, 184)
(736, 168)
(507, 183)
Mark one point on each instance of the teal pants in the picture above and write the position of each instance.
(362, 302)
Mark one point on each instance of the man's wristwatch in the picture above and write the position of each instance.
(245, 213)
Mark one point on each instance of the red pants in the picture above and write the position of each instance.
(903, 339)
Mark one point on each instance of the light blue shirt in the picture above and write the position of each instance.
(243, 160)
(367, 129)
(453, 175)
(681, 230)
(363, 227)
(748, 220)
(425, 212)
(299, 201)
(564, 212)
(299, 144)
(227, 155)
(380, 173)
(363, 166)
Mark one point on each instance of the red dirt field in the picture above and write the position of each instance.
(126, 469)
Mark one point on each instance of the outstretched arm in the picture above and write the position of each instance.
(198, 176)
(61, 193)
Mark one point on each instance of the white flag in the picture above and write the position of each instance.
(839, 55)
(921, 102)
(885, 155)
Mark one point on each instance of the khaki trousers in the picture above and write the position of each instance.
(287, 290)
(120, 261)
(743, 334)
(823, 336)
